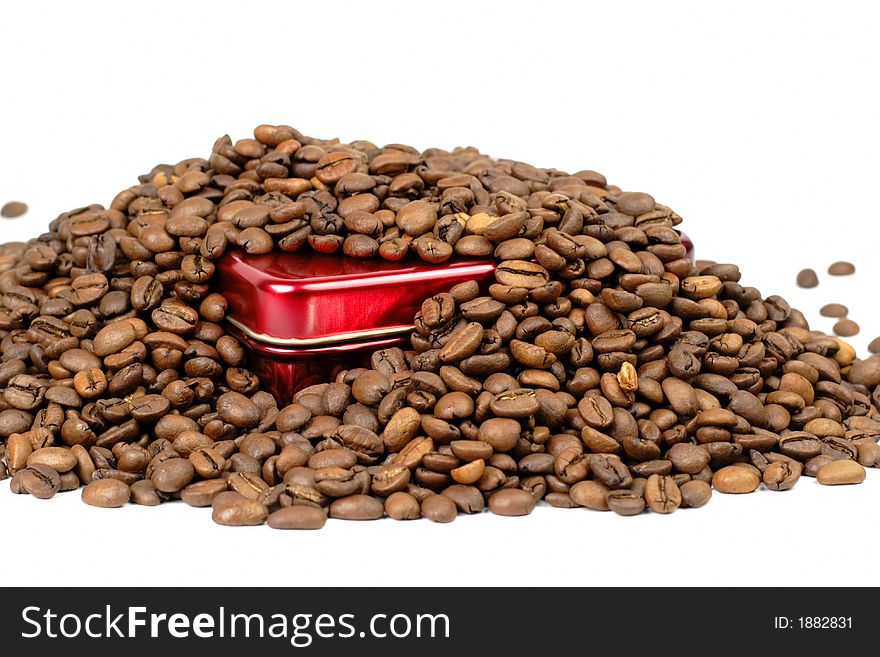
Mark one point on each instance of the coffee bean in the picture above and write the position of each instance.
(357, 507)
(625, 502)
(202, 493)
(172, 475)
(501, 434)
(833, 310)
(143, 492)
(58, 458)
(840, 472)
(238, 410)
(732, 479)
(511, 502)
(297, 517)
(841, 268)
(38, 480)
(521, 273)
(688, 458)
(517, 403)
(402, 506)
(234, 510)
(591, 494)
(175, 316)
(439, 508)
(781, 475)
(106, 493)
(846, 328)
(113, 338)
(695, 493)
(807, 278)
(18, 451)
(662, 494)
(13, 209)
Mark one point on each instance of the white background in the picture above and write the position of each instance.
(756, 121)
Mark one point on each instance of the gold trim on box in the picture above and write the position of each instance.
(326, 340)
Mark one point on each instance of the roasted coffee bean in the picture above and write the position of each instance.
(501, 434)
(61, 460)
(695, 493)
(403, 506)
(662, 494)
(13, 209)
(106, 493)
(439, 508)
(172, 475)
(38, 480)
(143, 492)
(468, 499)
(841, 268)
(175, 316)
(357, 507)
(591, 494)
(846, 328)
(297, 517)
(834, 310)
(807, 278)
(625, 502)
(841, 472)
(733, 479)
(202, 493)
(234, 510)
(238, 410)
(511, 502)
(781, 475)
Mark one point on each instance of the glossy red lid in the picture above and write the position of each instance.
(309, 299)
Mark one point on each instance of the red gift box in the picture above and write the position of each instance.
(306, 316)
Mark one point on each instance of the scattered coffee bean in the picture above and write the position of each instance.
(807, 278)
(841, 268)
(834, 310)
(846, 328)
(13, 209)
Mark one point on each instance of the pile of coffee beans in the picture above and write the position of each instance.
(603, 369)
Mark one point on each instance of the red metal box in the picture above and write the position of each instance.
(306, 316)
